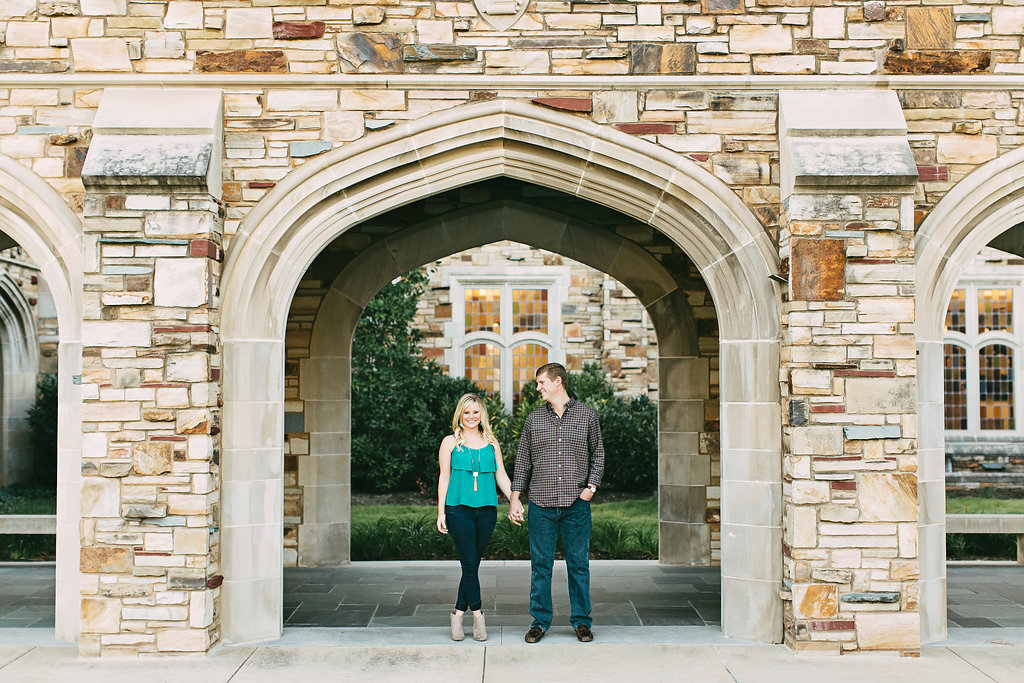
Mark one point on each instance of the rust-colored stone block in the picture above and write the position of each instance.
(242, 61)
(647, 128)
(298, 30)
(74, 161)
(583, 104)
(818, 270)
(100, 560)
(937, 62)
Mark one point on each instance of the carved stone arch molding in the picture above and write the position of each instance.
(322, 199)
(983, 205)
(34, 216)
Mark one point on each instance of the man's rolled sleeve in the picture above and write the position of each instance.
(524, 460)
(596, 446)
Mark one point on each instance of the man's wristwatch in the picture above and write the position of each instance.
(593, 489)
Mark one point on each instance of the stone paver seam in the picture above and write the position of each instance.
(971, 664)
(483, 668)
(27, 650)
(240, 666)
(718, 654)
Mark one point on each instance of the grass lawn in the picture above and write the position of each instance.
(982, 506)
(619, 512)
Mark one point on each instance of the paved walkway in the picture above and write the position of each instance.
(652, 623)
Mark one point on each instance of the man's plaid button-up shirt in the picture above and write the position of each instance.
(559, 456)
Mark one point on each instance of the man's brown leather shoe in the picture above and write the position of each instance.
(534, 634)
(584, 634)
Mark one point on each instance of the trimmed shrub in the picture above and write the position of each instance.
(42, 420)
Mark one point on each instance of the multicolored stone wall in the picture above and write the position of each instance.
(578, 38)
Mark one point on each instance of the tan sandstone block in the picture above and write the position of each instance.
(249, 23)
(888, 497)
(190, 541)
(892, 631)
(152, 458)
(372, 100)
(182, 640)
(100, 54)
(809, 492)
(966, 149)
(101, 615)
(886, 395)
(761, 39)
(101, 560)
(28, 34)
(101, 497)
(183, 14)
(815, 600)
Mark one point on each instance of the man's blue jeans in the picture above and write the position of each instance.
(574, 524)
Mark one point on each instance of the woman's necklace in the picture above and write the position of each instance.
(476, 468)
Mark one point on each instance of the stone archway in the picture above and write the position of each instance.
(684, 375)
(19, 366)
(984, 204)
(321, 200)
(34, 216)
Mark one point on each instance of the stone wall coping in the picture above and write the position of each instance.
(514, 82)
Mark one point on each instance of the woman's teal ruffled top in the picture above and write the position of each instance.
(466, 461)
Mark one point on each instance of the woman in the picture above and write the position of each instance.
(467, 503)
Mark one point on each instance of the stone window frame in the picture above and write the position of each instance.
(987, 276)
(555, 279)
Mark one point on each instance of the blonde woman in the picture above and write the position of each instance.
(467, 503)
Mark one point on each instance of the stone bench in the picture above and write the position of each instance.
(989, 524)
(28, 524)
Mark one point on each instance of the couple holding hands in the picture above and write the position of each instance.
(560, 461)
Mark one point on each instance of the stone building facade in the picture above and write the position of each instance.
(213, 190)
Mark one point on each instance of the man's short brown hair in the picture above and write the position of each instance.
(555, 371)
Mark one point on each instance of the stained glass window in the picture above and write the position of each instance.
(955, 386)
(529, 310)
(995, 310)
(956, 314)
(995, 370)
(483, 367)
(526, 359)
(483, 310)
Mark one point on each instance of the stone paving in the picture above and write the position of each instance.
(624, 593)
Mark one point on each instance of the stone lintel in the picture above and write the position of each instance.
(179, 161)
(850, 161)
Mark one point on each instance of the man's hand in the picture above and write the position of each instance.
(586, 494)
(516, 513)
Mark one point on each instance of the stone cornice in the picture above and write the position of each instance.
(510, 82)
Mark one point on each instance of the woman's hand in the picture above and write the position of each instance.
(442, 526)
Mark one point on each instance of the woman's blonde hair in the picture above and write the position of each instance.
(485, 421)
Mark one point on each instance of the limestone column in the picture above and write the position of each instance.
(150, 375)
(849, 368)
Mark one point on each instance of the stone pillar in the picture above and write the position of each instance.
(849, 373)
(684, 472)
(150, 375)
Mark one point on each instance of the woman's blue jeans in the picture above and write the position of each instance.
(574, 524)
(470, 529)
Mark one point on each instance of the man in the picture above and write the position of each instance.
(560, 461)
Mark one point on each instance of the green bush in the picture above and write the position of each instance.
(42, 421)
(981, 547)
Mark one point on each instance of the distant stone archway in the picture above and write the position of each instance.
(34, 216)
(321, 200)
(983, 205)
(19, 366)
